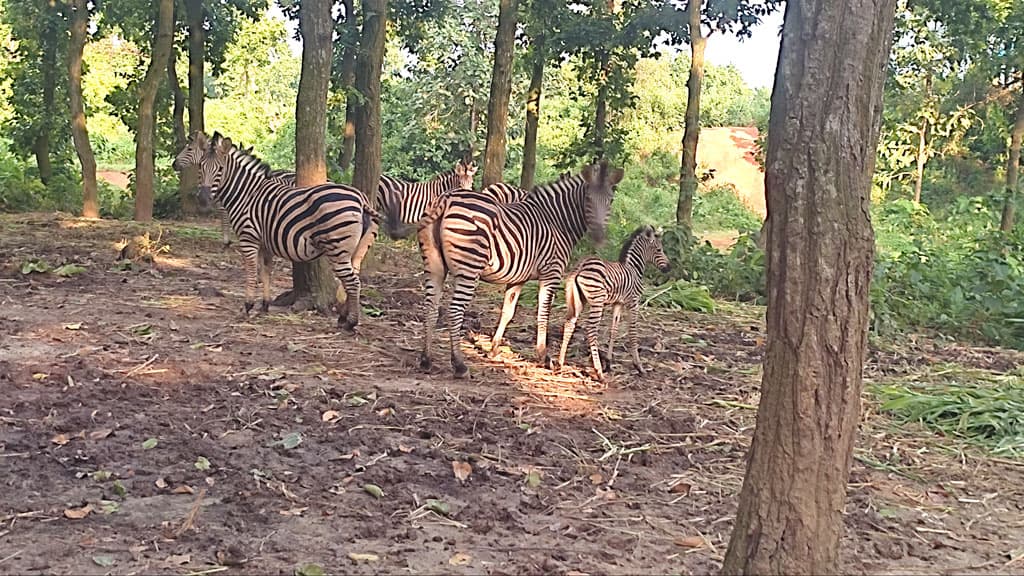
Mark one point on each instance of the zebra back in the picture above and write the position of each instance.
(406, 202)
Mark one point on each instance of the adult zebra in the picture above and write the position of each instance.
(474, 237)
(273, 218)
(286, 176)
(405, 202)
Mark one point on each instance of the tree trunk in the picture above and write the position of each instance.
(825, 118)
(501, 90)
(41, 149)
(474, 122)
(41, 146)
(922, 143)
(691, 133)
(367, 171)
(533, 114)
(1012, 170)
(189, 206)
(313, 282)
(601, 111)
(348, 80)
(144, 133)
(196, 97)
(79, 133)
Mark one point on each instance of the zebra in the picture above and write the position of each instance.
(273, 218)
(405, 202)
(286, 176)
(598, 283)
(473, 237)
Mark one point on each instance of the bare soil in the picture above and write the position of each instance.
(730, 152)
(147, 427)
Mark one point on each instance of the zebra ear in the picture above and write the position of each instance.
(615, 176)
(460, 168)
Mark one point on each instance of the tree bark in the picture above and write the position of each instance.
(348, 80)
(313, 282)
(41, 146)
(922, 143)
(79, 132)
(501, 91)
(533, 114)
(825, 118)
(1012, 170)
(601, 108)
(145, 130)
(691, 132)
(366, 174)
(196, 96)
(189, 206)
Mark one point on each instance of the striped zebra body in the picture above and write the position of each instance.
(474, 237)
(405, 202)
(599, 283)
(274, 218)
(286, 176)
(506, 193)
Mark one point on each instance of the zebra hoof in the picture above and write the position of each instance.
(640, 369)
(248, 308)
(545, 362)
(460, 370)
(494, 352)
(226, 244)
(265, 306)
(346, 325)
(425, 363)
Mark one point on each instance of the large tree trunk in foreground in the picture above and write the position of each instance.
(501, 90)
(825, 117)
(348, 80)
(313, 281)
(144, 132)
(688, 165)
(533, 114)
(79, 132)
(196, 97)
(366, 174)
(1013, 169)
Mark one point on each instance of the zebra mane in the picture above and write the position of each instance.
(434, 178)
(627, 246)
(556, 187)
(245, 156)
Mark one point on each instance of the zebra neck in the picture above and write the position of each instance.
(239, 187)
(636, 259)
(563, 208)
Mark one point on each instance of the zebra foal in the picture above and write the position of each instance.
(473, 237)
(599, 283)
(274, 218)
(405, 202)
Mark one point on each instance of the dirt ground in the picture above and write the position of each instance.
(146, 427)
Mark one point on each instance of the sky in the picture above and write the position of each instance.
(755, 57)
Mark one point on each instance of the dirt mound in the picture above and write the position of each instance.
(115, 177)
(730, 152)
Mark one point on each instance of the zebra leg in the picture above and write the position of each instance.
(593, 328)
(225, 227)
(508, 310)
(266, 273)
(348, 279)
(365, 242)
(462, 294)
(250, 261)
(573, 309)
(431, 307)
(545, 294)
(634, 343)
(616, 316)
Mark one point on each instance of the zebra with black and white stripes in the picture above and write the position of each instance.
(404, 202)
(286, 176)
(598, 283)
(474, 237)
(273, 218)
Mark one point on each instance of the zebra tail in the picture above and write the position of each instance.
(393, 218)
(574, 298)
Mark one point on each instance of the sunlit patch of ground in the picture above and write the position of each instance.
(147, 426)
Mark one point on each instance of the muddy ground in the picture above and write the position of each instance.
(146, 427)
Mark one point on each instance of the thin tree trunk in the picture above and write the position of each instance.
(79, 132)
(187, 199)
(501, 90)
(601, 109)
(348, 80)
(366, 175)
(145, 131)
(474, 123)
(314, 281)
(41, 146)
(825, 118)
(922, 144)
(196, 97)
(533, 114)
(691, 133)
(1013, 169)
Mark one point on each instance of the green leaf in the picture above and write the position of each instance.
(149, 444)
(202, 463)
(309, 570)
(438, 506)
(119, 489)
(104, 560)
(289, 441)
(69, 270)
(373, 490)
(101, 475)
(533, 479)
(38, 266)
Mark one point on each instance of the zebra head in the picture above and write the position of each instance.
(192, 153)
(211, 167)
(464, 173)
(658, 251)
(600, 181)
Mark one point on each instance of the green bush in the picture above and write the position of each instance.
(720, 208)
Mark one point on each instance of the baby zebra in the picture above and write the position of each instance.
(405, 202)
(599, 282)
(274, 218)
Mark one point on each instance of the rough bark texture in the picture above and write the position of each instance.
(691, 132)
(313, 282)
(368, 130)
(533, 114)
(601, 108)
(826, 112)
(144, 132)
(79, 133)
(1013, 169)
(196, 93)
(501, 90)
(348, 80)
(41, 146)
(186, 198)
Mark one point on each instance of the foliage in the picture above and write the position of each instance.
(719, 208)
(680, 295)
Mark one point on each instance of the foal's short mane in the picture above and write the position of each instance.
(628, 244)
